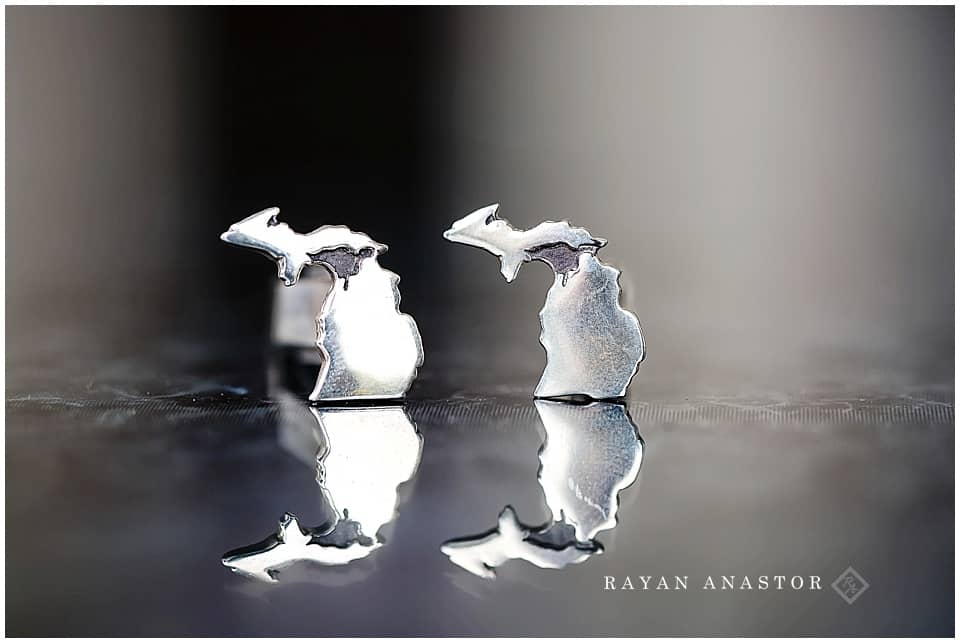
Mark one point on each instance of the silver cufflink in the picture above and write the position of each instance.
(367, 348)
(593, 346)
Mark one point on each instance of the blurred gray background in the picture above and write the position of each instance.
(776, 184)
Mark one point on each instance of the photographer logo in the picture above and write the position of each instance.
(850, 585)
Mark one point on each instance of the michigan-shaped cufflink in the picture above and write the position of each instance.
(593, 346)
(368, 349)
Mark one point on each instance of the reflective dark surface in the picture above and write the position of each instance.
(777, 187)
(361, 456)
(589, 454)
(124, 491)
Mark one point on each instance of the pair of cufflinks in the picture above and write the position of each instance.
(369, 350)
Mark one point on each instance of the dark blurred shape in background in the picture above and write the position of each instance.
(776, 183)
(138, 134)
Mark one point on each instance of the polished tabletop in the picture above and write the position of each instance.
(131, 471)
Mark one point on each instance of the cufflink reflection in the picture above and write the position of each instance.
(362, 455)
(590, 454)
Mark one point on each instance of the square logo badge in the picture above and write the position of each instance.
(850, 585)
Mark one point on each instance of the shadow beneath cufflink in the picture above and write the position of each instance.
(579, 399)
